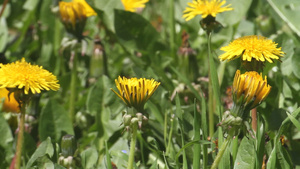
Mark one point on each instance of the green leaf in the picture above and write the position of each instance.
(132, 36)
(240, 9)
(54, 121)
(289, 11)
(272, 159)
(89, 158)
(45, 148)
(294, 120)
(30, 4)
(108, 161)
(284, 157)
(5, 132)
(246, 155)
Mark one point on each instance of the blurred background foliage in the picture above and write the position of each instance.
(144, 44)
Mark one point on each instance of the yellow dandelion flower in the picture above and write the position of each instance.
(252, 47)
(135, 92)
(73, 15)
(27, 77)
(249, 89)
(205, 8)
(132, 5)
(9, 103)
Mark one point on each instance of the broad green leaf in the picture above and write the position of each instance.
(289, 11)
(5, 132)
(240, 9)
(284, 157)
(30, 4)
(132, 36)
(54, 121)
(45, 148)
(246, 155)
(89, 158)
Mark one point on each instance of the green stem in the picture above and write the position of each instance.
(73, 88)
(211, 125)
(234, 148)
(220, 154)
(214, 78)
(210, 91)
(20, 137)
(132, 146)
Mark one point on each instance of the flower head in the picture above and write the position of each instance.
(249, 89)
(135, 92)
(73, 15)
(9, 104)
(26, 77)
(132, 5)
(252, 47)
(205, 8)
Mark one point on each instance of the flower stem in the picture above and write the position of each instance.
(73, 88)
(220, 154)
(20, 137)
(132, 146)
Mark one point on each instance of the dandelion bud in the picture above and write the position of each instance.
(127, 120)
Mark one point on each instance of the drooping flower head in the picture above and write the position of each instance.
(73, 15)
(133, 5)
(251, 48)
(9, 103)
(249, 89)
(27, 78)
(135, 92)
(205, 8)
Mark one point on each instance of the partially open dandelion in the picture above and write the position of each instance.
(133, 5)
(249, 89)
(73, 15)
(205, 8)
(9, 103)
(30, 79)
(250, 48)
(135, 92)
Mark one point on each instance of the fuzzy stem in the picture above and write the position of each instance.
(20, 137)
(73, 88)
(210, 93)
(132, 146)
(220, 154)
(254, 119)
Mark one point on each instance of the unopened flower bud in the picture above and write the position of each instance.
(134, 121)
(127, 119)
